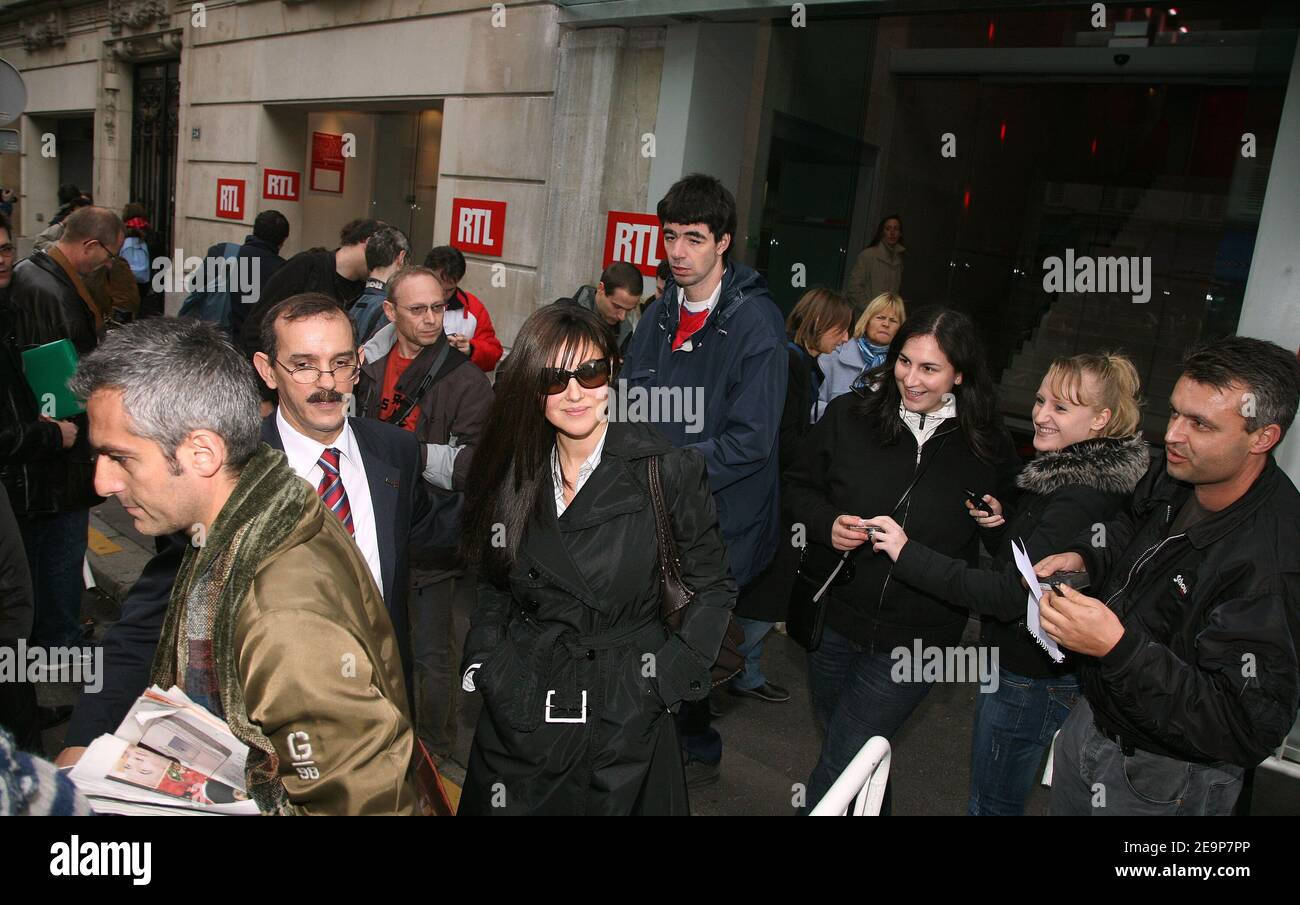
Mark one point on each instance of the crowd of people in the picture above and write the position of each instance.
(333, 476)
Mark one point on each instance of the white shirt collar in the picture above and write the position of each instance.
(584, 471)
(304, 453)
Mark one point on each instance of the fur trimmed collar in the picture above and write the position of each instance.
(1108, 464)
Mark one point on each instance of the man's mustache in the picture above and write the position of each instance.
(325, 396)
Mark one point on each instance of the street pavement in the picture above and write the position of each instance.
(767, 748)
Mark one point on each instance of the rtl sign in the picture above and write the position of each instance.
(633, 238)
(230, 199)
(280, 185)
(478, 226)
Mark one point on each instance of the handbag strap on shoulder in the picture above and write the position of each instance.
(669, 564)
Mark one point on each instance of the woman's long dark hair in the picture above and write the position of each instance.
(880, 230)
(977, 414)
(512, 460)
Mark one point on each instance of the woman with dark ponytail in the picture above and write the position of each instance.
(908, 449)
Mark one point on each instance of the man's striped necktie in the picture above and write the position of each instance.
(331, 490)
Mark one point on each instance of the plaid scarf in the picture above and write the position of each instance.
(197, 649)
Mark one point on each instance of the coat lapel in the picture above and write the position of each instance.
(544, 549)
(383, 479)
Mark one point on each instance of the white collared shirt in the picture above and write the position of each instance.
(584, 471)
(304, 458)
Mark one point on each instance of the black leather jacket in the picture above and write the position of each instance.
(39, 475)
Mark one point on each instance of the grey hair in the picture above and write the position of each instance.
(177, 376)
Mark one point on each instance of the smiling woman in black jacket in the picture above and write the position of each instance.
(909, 449)
(1090, 457)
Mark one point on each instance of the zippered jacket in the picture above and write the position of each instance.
(846, 468)
(1206, 671)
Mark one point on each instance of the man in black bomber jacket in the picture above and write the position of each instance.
(1189, 667)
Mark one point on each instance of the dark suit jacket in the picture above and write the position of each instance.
(406, 513)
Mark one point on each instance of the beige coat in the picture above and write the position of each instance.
(878, 269)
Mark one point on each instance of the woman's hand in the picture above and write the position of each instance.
(983, 519)
(848, 532)
(887, 536)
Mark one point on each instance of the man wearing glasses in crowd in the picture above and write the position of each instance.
(48, 302)
(413, 377)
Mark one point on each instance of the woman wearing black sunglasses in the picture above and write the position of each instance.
(567, 645)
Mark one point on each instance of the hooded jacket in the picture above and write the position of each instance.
(736, 369)
(1206, 670)
(1066, 492)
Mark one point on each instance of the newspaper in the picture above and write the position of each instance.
(169, 756)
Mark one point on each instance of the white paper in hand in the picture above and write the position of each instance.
(1031, 614)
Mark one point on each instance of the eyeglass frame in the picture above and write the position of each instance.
(113, 257)
(411, 309)
(320, 372)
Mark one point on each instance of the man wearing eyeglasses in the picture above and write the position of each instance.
(414, 378)
(49, 301)
(49, 296)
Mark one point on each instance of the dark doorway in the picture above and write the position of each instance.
(153, 142)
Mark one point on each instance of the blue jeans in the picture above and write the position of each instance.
(1013, 730)
(854, 698)
(751, 675)
(56, 550)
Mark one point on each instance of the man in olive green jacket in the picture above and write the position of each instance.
(275, 623)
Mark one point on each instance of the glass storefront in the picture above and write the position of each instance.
(1009, 138)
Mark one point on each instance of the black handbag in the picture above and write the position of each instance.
(816, 576)
(676, 595)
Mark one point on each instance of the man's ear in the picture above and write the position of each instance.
(265, 368)
(724, 243)
(361, 355)
(390, 312)
(204, 451)
(1265, 439)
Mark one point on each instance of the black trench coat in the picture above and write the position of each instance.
(581, 617)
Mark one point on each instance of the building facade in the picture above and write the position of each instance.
(538, 136)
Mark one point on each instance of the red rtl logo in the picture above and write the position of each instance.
(230, 199)
(478, 226)
(634, 238)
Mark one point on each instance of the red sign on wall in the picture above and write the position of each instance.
(634, 238)
(230, 199)
(280, 185)
(326, 162)
(478, 226)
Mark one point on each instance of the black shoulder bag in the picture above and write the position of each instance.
(676, 595)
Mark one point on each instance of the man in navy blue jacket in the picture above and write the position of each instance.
(715, 337)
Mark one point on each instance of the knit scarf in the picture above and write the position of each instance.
(211, 585)
(872, 354)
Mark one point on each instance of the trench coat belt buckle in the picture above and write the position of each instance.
(565, 719)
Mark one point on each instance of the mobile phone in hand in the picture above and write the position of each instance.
(1077, 580)
(977, 500)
